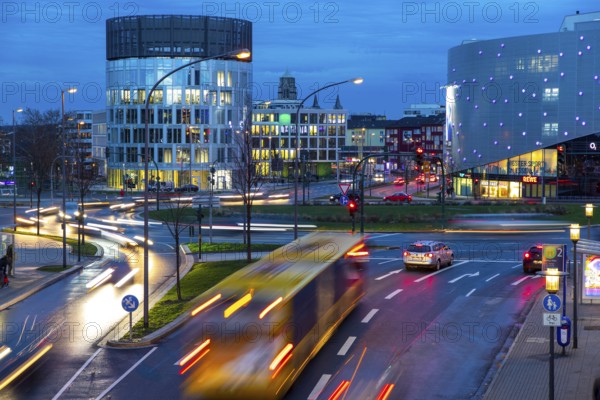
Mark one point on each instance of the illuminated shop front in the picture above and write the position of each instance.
(528, 175)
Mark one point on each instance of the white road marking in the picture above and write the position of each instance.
(464, 276)
(134, 366)
(79, 371)
(23, 330)
(470, 293)
(393, 259)
(395, 292)
(319, 387)
(516, 266)
(369, 315)
(388, 274)
(421, 279)
(515, 283)
(346, 346)
(489, 279)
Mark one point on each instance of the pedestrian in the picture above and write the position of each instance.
(3, 265)
(10, 256)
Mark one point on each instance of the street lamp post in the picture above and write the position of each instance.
(356, 81)
(64, 173)
(589, 213)
(240, 54)
(574, 233)
(210, 209)
(553, 276)
(14, 162)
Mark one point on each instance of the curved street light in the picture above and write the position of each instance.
(240, 54)
(356, 81)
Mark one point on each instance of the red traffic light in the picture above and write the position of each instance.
(420, 150)
(352, 207)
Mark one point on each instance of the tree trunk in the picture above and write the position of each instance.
(82, 218)
(248, 232)
(177, 261)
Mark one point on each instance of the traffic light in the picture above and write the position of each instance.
(352, 207)
(561, 154)
(419, 156)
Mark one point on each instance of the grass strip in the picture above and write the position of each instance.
(201, 277)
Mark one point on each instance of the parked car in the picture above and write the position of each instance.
(428, 254)
(398, 197)
(187, 188)
(335, 198)
(399, 181)
(532, 259)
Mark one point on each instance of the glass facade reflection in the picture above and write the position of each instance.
(193, 114)
(513, 102)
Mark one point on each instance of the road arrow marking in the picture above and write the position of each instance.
(388, 274)
(463, 276)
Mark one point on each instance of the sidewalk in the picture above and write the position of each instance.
(524, 373)
(33, 252)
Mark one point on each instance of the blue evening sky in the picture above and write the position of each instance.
(398, 47)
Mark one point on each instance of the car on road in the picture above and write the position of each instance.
(399, 181)
(335, 198)
(532, 259)
(427, 253)
(398, 197)
(187, 188)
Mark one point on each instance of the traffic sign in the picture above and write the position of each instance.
(426, 166)
(552, 319)
(552, 303)
(344, 200)
(344, 187)
(553, 256)
(130, 303)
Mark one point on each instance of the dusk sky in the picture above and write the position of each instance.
(398, 47)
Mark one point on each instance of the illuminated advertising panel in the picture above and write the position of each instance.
(591, 277)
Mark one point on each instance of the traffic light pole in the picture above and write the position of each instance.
(362, 186)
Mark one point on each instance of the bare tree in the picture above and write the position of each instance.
(173, 215)
(39, 145)
(247, 179)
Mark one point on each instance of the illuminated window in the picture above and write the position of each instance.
(125, 96)
(550, 129)
(192, 96)
(550, 94)
(220, 78)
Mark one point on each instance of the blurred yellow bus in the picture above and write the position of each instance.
(262, 325)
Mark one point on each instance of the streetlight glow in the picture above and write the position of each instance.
(574, 232)
(552, 280)
(589, 210)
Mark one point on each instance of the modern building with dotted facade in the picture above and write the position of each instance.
(523, 113)
(193, 114)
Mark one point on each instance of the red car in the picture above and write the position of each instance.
(399, 181)
(398, 197)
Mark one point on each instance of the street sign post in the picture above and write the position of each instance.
(130, 303)
(552, 319)
(552, 303)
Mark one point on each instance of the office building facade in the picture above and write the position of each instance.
(193, 114)
(523, 113)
